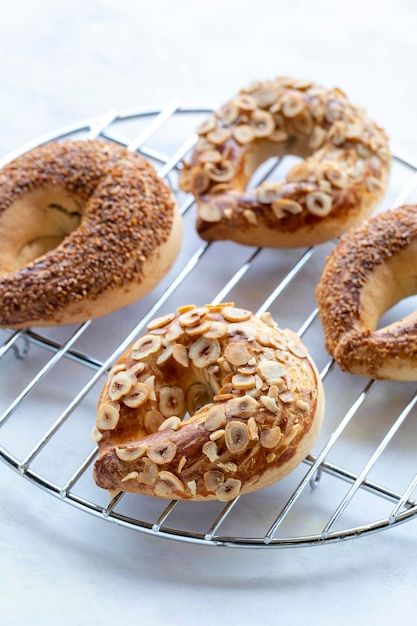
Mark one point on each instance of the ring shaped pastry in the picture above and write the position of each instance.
(86, 227)
(372, 268)
(250, 395)
(341, 179)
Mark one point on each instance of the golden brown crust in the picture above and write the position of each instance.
(253, 394)
(342, 179)
(373, 267)
(85, 227)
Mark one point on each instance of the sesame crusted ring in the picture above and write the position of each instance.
(373, 267)
(338, 184)
(250, 395)
(86, 227)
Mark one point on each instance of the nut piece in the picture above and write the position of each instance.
(180, 354)
(228, 113)
(197, 396)
(120, 385)
(149, 472)
(210, 156)
(165, 354)
(229, 467)
(131, 454)
(207, 125)
(138, 396)
(130, 476)
(233, 314)
(162, 490)
(210, 450)
(243, 134)
(174, 331)
(236, 436)
(199, 329)
(237, 353)
(317, 138)
(219, 136)
(271, 371)
(245, 330)
(228, 490)
(220, 172)
(193, 317)
(243, 407)
(263, 123)
(213, 479)
(152, 420)
(215, 418)
(319, 203)
(173, 481)
(108, 416)
(95, 435)
(265, 95)
(171, 423)
(204, 352)
(135, 371)
(216, 330)
(172, 401)
(217, 434)
(145, 346)
(269, 403)
(250, 216)
(270, 437)
(162, 452)
(245, 102)
(159, 322)
(335, 175)
(292, 104)
(284, 207)
(268, 191)
(210, 212)
(243, 381)
(253, 429)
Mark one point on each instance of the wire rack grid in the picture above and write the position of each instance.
(361, 475)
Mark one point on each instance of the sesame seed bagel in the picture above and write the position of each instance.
(86, 227)
(250, 395)
(343, 175)
(373, 267)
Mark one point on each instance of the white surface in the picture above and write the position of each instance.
(63, 62)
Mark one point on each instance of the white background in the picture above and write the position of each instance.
(66, 61)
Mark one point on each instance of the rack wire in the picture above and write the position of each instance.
(361, 476)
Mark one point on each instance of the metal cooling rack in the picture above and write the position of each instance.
(360, 477)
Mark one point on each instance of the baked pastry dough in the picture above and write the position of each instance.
(343, 175)
(250, 394)
(86, 227)
(372, 268)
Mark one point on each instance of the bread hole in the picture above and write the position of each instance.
(398, 313)
(274, 168)
(37, 223)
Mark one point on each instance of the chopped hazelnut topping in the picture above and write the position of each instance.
(236, 436)
(131, 454)
(145, 346)
(138, 395)
(215, 418)
(173, 481)
(172, 401)
(108, 416)
(162, 452)
(120, 385)
(228, 490)
(243, 407)
(213, 479)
